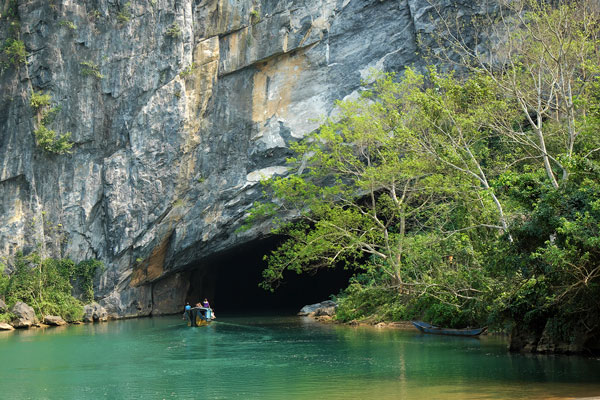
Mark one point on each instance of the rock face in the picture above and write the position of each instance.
(24, 315)
(54, 320)
(551, 337)
(2, 306)
(94, 313)
(177, 109)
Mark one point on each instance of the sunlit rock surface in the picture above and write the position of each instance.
(54, 320)
(94, 312)
(194, 102)
(24, 315)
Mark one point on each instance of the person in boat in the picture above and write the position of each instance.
(206, 304)
(187, 308)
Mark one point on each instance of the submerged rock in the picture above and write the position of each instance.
(94, 312)
(5, 327)
(54, 320)
(24, 315)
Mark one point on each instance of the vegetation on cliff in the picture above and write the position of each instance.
(46, 284)
(461, 199)
(45, 114)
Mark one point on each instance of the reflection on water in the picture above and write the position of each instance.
(274, 358)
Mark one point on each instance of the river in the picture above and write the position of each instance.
(276, 357)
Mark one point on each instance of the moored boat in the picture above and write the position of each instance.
(428, 328)
(198, 316)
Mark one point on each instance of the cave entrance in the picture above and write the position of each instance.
(230, 281)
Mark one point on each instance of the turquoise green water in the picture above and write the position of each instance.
(275, 358)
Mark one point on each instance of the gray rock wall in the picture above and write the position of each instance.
(174, 133)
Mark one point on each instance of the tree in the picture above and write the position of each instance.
(546, 60)
(449, 121)
(371, 193)
(457, 191)
(544, 56)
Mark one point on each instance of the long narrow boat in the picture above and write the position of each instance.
(198, 316)
(428, 328)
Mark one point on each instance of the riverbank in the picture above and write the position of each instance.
(23, 316)
(325, 312)
(546, 339)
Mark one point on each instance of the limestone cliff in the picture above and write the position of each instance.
(177, 109)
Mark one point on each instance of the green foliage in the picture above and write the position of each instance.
(68, 24)
(259, 212)
(174, 30)
(93, 15)
(45, 137)
(376, 184)
(124, 15)
(50, 114)
(254, 17)
(179, 203)
(11, 10)
(366, 299)
(48, 140)
(90, 68)
(39, 100)
(85, 272)
(10, 13)
(6, 317)
(46, 284)
(13, 53)
(189, 70)
(3, 278)
(556, 255)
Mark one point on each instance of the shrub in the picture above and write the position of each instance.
(366, 299)
(6, 317)
(46, 285)
(45, 137)
(68, 24)
(189, 70)
(94, 15)
(11, 9)
(13, 53)
(125, 14)
(85, 272)
(174, 30)
(48, 140)
(39, 100)
(90, 68)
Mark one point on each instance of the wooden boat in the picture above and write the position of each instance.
(198, 316)
(428, 328)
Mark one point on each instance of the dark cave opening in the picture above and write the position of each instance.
(230, 282)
